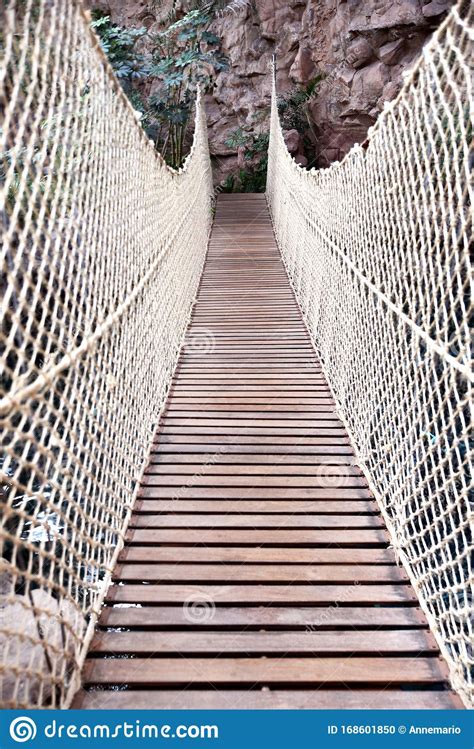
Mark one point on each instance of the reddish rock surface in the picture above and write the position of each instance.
(359, 47)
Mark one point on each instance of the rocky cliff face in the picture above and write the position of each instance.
(359, 50)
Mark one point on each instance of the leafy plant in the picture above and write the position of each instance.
(186, 55)
(294, 107)
(119, 44)
(183, 55)
(255, 146)
(294, 112)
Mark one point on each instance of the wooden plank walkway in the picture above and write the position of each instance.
(257, 572)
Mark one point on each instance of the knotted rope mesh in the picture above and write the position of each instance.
(377, 249)
(102, 249)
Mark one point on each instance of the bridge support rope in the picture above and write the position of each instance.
(102, 249)
(377, 250)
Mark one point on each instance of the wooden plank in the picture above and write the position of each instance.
(262, 301)
(263, 699)
(250, 492)
(318, 468)
(246, 365)
(243, 403)
(261, 573)
(252, 594)
(257, 360)
(328, 479)
(250, 335)
(250, 369)
(266, 437)
(274, 320)
(317, 401)
(324, 456)
(258, 334)
(259, 471)
(415, 641)
(179, 447)
(249, 618)
(266, 391)
(251, 391)
(183, 536)
(322, 423)
(320, 396)
(241, 520)
(269, 432)
(251, 377)
(280, 326)
(356, 670)
(257, 554)
(239, 350)
(294, 506)
(175, 410)
(265, 344)
(190, 355)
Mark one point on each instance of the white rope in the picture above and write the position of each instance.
(377, 250)
(102, 250)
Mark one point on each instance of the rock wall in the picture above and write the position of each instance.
(360, 49)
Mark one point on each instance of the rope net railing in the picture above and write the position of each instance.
(377, 249)
(102, 251)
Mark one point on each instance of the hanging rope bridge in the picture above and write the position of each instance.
(282, 504)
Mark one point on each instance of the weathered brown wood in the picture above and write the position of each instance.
(258, 472)
(275, 537)
(272, 573)
(251, 378)
(245, 492)
(250, 671)
(276, 594)
(292, 443)
(322, 423)
(247, 446)
(202, 400)
(264, 699)
(327, 479)
(415, 641)
(295, 506)
(270, 356)
(270, 394)
(256, 556)
(248, 408)
(269, 432)
(311, 413)
(316, 618)
(324, 455)
(241, 520)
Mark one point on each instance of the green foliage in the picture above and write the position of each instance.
(130, 65)
(254, 177)
(119, 45)
(186, 54)
(293, 108)
(294, 112)
(182, 55)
